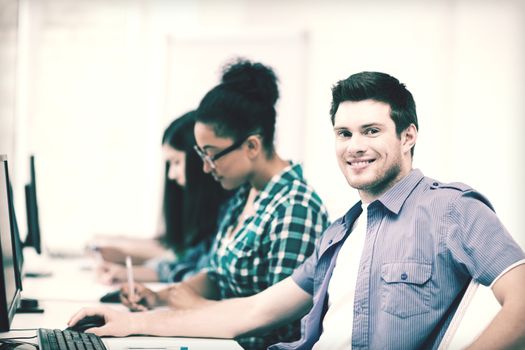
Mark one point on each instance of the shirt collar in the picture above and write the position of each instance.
(351, 215)
(394, 198)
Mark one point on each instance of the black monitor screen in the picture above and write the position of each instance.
(10, 293)
(33, 224)
(17, 242)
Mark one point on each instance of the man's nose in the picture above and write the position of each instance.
(356, 145)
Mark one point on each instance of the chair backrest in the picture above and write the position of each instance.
(458, 316)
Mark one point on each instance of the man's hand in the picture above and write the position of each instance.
(117, 323)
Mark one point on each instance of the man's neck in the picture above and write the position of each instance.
(371, 194)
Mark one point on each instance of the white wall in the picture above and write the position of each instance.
(8, 49)
(97, 89)
(95, 93)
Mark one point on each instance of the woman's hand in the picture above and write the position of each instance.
(112, 254)
(110, 273)
(143, 298)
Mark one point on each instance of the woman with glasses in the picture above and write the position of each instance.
(191, 204)
(273, 219)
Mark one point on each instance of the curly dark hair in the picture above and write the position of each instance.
(243, 103)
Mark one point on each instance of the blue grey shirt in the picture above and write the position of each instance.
(425, 241)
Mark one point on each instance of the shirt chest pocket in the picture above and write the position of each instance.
(405, 288)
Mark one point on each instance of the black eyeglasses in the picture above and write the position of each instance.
(210, 160)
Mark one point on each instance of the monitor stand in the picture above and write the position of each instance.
(29, 306)
(35, 265)
(36, 274)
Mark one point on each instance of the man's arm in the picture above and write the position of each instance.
(277, 305)
(507, 329)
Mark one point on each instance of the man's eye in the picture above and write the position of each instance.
(371, 131)
(344, 133)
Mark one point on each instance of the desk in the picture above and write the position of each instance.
(71, 287)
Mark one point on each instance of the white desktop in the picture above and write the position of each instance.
(72, 286)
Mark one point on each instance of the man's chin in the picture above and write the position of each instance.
(360, 187)
(360, 183)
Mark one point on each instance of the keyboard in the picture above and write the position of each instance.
(56, 339)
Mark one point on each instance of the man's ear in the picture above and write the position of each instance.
(409, 138)
(253, 145)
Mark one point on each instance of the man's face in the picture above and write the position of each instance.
(370, 154)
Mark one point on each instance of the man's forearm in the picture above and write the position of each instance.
(214, 320)
(506, 331)
(229, 318)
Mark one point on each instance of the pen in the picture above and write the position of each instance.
(131, 283)
(98, 255)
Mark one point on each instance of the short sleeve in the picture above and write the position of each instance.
(303, 276)
(478, 241)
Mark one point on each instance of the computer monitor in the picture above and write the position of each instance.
(10, 291)
(17, 242)
(33, 223)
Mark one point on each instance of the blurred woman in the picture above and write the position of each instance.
(191, 205)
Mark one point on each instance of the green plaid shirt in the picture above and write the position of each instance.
(289, 218)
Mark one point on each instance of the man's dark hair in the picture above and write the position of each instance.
(379, 87)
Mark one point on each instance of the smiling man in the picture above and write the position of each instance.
(390, 273)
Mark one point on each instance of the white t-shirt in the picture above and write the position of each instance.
(338, 321)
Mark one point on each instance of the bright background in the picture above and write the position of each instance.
(97, 81)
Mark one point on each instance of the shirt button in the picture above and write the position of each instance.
(404, 276)
(435, 184)
(330, 241)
